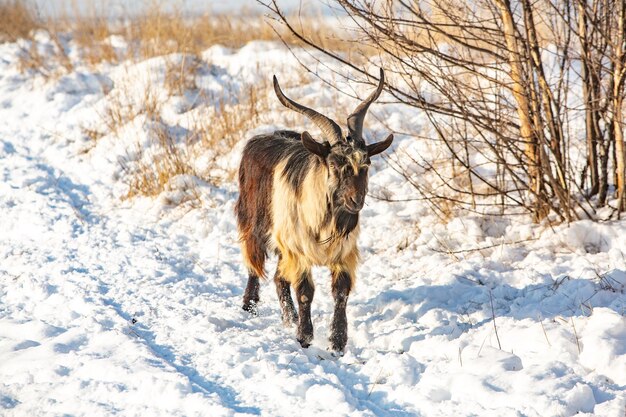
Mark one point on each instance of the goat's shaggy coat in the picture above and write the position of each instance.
(293, 213)
(300, 199)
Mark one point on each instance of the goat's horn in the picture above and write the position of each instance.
(329, 128)
(355, 120)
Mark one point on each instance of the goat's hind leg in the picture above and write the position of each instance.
(254, 253)
(251, 296)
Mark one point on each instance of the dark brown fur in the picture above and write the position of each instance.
(342, 284)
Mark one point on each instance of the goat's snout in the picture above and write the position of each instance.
(354, 202)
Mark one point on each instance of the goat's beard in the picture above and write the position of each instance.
(345, 221)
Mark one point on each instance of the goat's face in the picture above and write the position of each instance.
(348, 174)
(347, 162)
(347, 158)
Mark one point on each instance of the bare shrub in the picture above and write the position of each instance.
(499, 84)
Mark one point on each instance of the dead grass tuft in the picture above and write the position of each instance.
(152, 173)
(93, 35)
(180, 75)
(122, 107)
(48, 58)
(172, 152)
(17, 20)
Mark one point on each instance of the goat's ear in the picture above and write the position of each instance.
(378, 147)
(321, 149)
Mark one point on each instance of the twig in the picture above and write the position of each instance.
(545, 333)
(292, 358)
(493, 315)
(448, 251)
(575, 334)
(480, 349)
(375, 383)
(483, 247)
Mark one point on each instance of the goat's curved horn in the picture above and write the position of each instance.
(329, 128)
(355, 120)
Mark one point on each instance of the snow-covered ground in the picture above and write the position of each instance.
(132, 307)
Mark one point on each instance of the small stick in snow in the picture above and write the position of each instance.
(575, 334)
(545, 333)
(493, 315)
(293, 357)
(481, 346)
(375, 382)
(448, 251)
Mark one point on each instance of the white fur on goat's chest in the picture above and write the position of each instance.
(298, 229)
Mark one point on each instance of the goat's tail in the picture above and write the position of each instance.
(253, 240)
(254, 253)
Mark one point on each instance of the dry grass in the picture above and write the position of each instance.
(151, 174)
(122, 108)
(159, 33)
(221, 130)
(155, 33)
(17, 20)
(173, 147)
(207, 134)
(181, 76)
(50, 60)
(93, 35)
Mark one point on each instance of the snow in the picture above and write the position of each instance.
(132, 307)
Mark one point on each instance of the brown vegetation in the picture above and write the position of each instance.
(155, 33)
(150, 169)
(17, 20)
(174, 149)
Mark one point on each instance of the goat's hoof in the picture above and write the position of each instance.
(251, 307)
(337, 347)
(305, 344)
(290, 320)
(305, 339)
(336, 353)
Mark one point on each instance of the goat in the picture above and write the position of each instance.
(301, 199)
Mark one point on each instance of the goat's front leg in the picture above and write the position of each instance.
(342, 284)
(283, 290)
(304, 291)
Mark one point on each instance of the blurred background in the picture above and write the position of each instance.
(116, 8)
